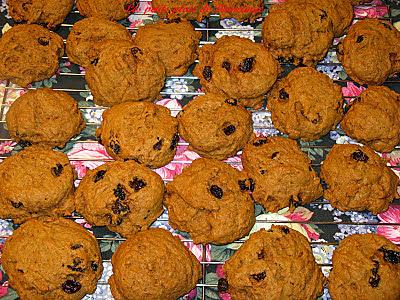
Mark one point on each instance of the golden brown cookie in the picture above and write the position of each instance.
(278, 263)
(358, 179)
(45, 117)
(29, 53)
(365, 267)
(124, 196)
(140, 131)
(52, 259)
(373, 119)
(241, 10)
(282, 173)
(48, 12)
(153, 264)
(185, 9)
(113, 10)
(36, 182)
(88, 35)
(306, 104)
(371, 51)
(175, 42)
(124, 72)
(215, 137)
(237, 68)
(297, 32)
(210, 200)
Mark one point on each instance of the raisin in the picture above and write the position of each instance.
(157, 146)
(283, 95)
(119, 208)
(260, 142)
(284, 229)
(247, 65)
(216, 191)
(226, 65)
(94, 266)
(99, 175)
(390, 256)
(75, 266)
(262, 172)
(115, 147)
(323, 15)
(16, 204)
(76, 246)
(232, 102)
(375, 278)
(119, 192)
(57, 170)
(247, 185)
(360, 38)
(274, 155)
(94, 62)
(137, 184)
(207, 73)
(43, 41)
(261, 254)
(71, 286)
(118, 222)
(174, 141)
(135, 51)
(223, 285)
(176, 21)
(24, 144)
(360, 156)
(229, 130)
(258, 277)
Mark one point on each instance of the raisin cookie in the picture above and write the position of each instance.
(124, 196)
(124, 72)
(282, 173)
(237, 68)
(45, 117)
(140, 131)
(358, 179)
(175, 42)
(88, 35)
(374, 118)
(365, 267)
(29, 53)
(306, 104)
(278, 263)
(241, 10)
(153, 264)
(210, 200)
(185, 9)
(36, 182)
(52, 259)
(371, 51)
(213, 137)
(49, 12)
(113, 10)
(297, 32)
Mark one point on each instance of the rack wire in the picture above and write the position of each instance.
(207, 31)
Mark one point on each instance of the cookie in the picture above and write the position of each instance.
(239, 9)
(297, 32)
(365, 266)
(306, 104)
(358, 179)
(282, 173)
(153, 258)
(373, 119)
(237, 68)
(213, 137)
(140, 131)
(123, 72)
(52, 259)
(113, 10)
(36, 182)
(278, 263)
(175, 42)
(29, 53)
(45, 117)
(371, 51)
(339, 11)
(204, 198)
(48, 12)
(185, 9)
(88, 35)
(124, 196)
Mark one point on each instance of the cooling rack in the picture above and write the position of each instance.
(323, 225)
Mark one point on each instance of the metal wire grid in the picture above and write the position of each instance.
(203, 285)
